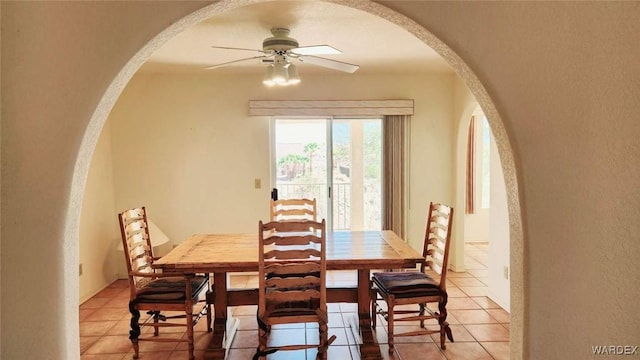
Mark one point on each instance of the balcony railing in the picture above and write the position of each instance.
(344, 210)
(341, 200)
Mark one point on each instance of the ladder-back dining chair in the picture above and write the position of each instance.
(292, 267)
(416, 287)
(157, 292)
(293, 209)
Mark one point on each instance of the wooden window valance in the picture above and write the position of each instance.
(330, 107)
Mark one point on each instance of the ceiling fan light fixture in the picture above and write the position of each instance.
(268, 76)
(280, 75)
(294, 77)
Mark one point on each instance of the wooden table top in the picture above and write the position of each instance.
(345, 250)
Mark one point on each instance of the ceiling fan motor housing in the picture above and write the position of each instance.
(280, 42)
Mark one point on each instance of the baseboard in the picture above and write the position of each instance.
(93, 293)
(499, 301)
(457, 268)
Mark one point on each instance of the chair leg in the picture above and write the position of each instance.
(374, 313)
(209, 299)
(156, 320)
(323, 347)
(209, 327)
(263, 336)
(390, 305)
(445, 330)
(134, 333)
(422, 310)
(256, 356)
(262, 340)
(325, 341)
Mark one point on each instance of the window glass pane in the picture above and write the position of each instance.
(372, 155)
(302, 168)
(357, 180)
(301, 171)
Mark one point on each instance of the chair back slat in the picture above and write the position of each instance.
(291, 228)
(139, 254)
(134, 214)
(437, 257)
(440, 235)
(435, 266)
(136, 242)
(141, 264)
(295, 282)
(276, 298)
(436, 248)
(290, 240)
(292, 254)
(293, 210)
(438, 240)
(302, 213)
(134, 226)
(283, 268)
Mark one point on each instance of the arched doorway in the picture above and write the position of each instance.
(461, 69)
(485, 224)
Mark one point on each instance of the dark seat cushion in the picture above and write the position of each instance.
(170, 289)
(407, 284)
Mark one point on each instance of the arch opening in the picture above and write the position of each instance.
(501, 137)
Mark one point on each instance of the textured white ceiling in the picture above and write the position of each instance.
(375, 44)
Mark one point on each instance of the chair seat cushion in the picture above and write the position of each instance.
(170, 289)
(407, 284)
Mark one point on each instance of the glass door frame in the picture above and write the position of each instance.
(329, 161)
(329, 120)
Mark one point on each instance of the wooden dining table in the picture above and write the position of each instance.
(221, 254)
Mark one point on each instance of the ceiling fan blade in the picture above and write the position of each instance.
(234, 61)
(234, 48)
(329, 63)
(316, 50)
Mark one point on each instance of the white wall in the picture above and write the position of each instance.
(498, 254)
(185, 147)
(430, 157)
(477, 226)
(99, 231)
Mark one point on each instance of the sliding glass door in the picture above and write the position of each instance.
(300, 161)
(338, 162)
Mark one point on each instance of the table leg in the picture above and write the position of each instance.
(217, 348)
(369, 348)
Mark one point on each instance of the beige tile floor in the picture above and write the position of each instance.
(480, 327)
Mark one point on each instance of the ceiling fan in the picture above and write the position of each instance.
(279, 50)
